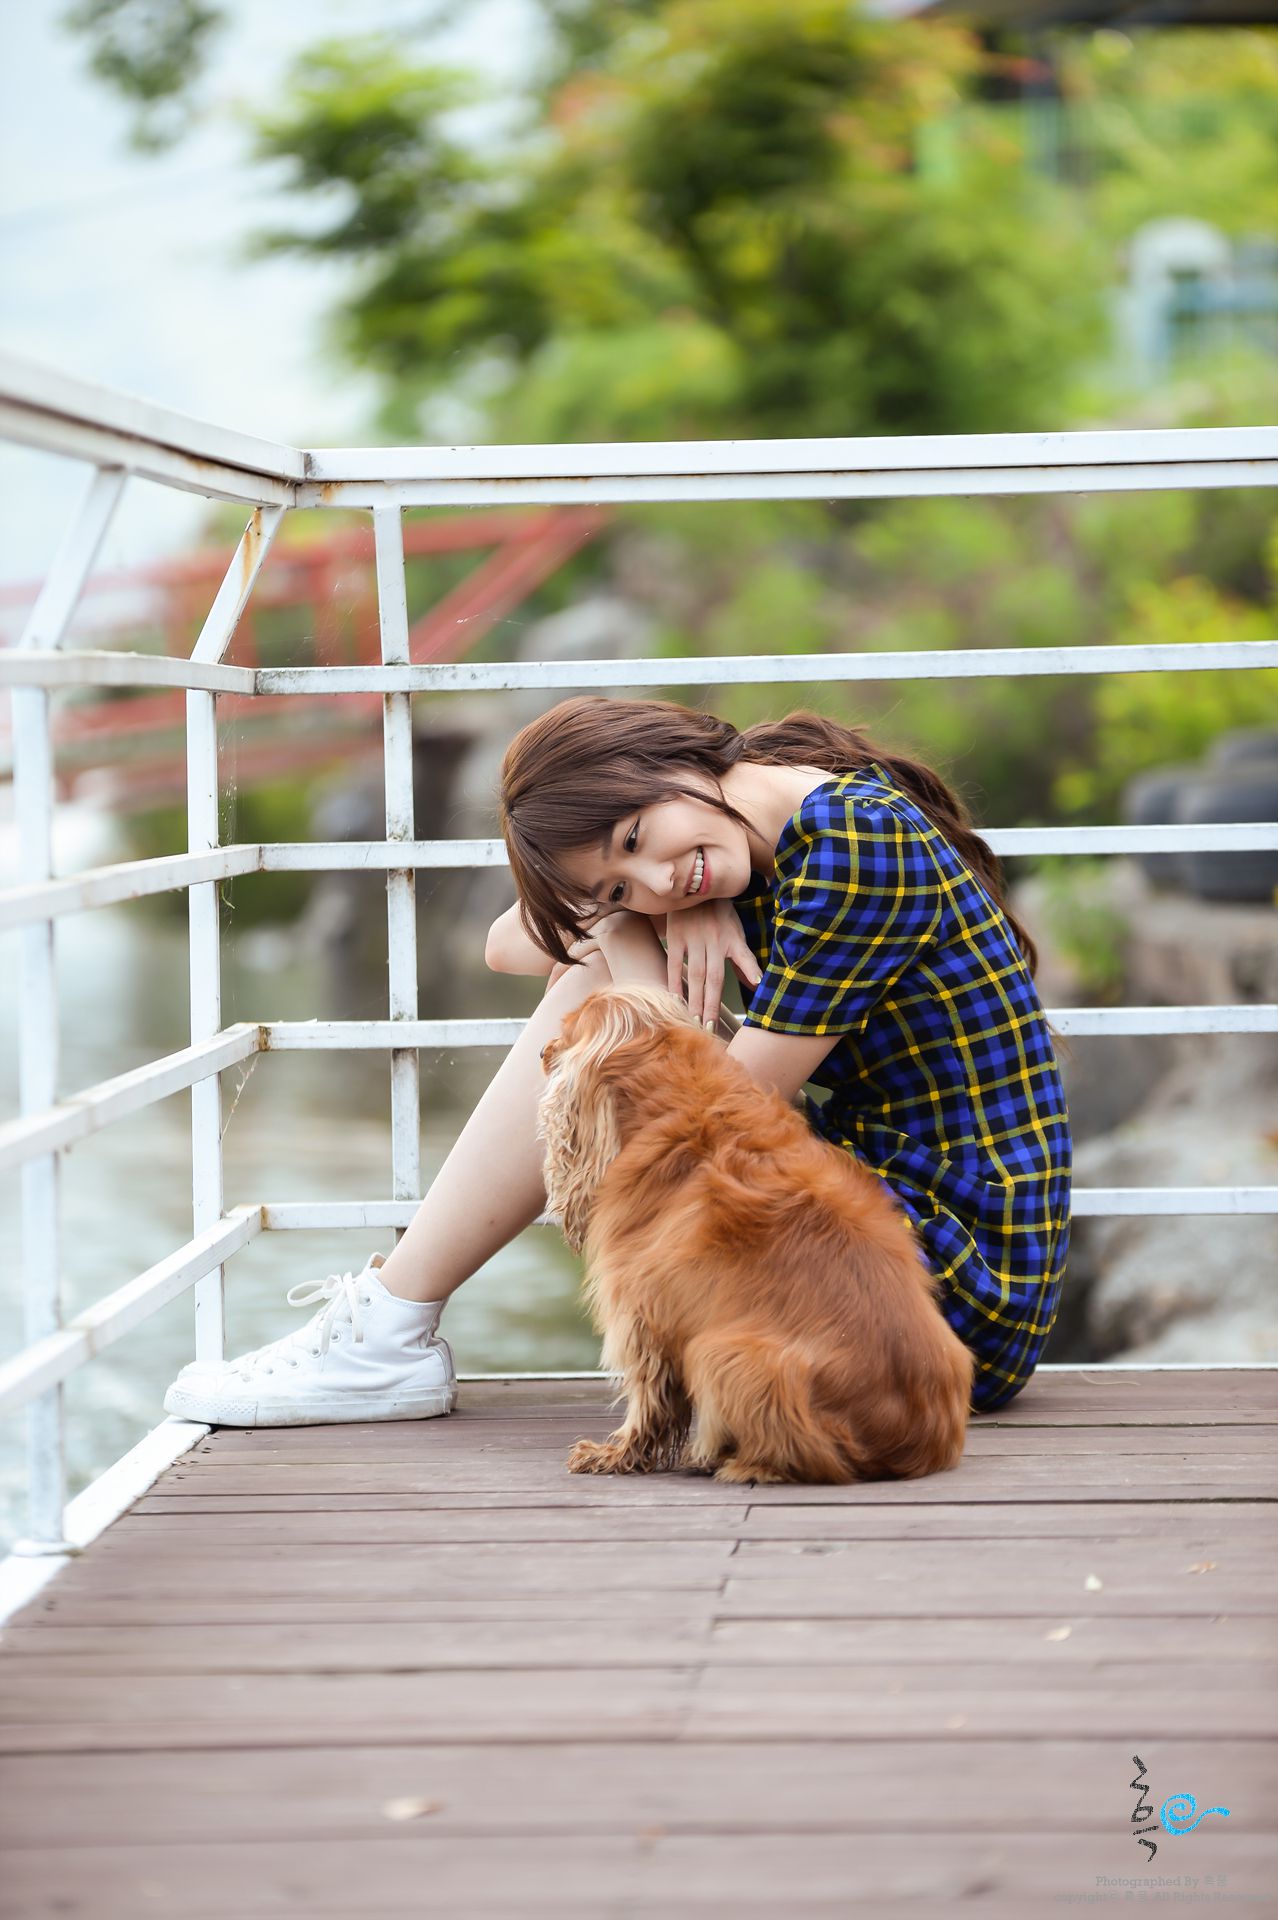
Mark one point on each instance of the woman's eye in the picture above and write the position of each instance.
(629, 844)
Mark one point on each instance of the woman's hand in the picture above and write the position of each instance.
(706, 939)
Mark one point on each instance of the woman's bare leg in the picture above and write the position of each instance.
(491, 1186)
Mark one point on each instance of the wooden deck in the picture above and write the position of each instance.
(397, 1669)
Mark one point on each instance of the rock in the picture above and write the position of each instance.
(1187, 1286)
(1183, 1110)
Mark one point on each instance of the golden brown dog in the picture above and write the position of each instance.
(739, 1267)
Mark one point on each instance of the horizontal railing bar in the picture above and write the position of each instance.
(1243, 836)
(1082, 1022)
(697, 459)
(750, 669)
(322, 1036)
(89, 667)
(300, 1036)
(102, 667)
(1098, 1202)
(124, 880)
(86, 1112)
(47, 394)
(378, 856)
(881, 484)
(1108, 1202)
(137, 879)
(1214, 837)
(47, 1361)
(188, 473)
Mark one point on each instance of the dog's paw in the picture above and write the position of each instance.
(598, 1456)
(692, 1462)
(740, 1473)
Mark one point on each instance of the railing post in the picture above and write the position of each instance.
(203, 918)
(205, 962)
(401, 919)
(38, 1087)
(33, 780)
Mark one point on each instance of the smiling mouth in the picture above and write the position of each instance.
(697, 880)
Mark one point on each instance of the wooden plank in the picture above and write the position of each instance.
(1072, 1394)
(1191, 1522)
(211, 1609)
(358, 1526)
(600, 1875)
(47, 1714)
(1051, 1641)
(316, 1522)
(298, 1627)
(1010, 1786)
(918, 1577)
(866, 1700)
(931, 1578)
(549, 1443)
(513, 1516)
(1244, 1475)
(1123, 1395)
(870, 1700)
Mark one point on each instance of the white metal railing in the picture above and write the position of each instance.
(121, 437)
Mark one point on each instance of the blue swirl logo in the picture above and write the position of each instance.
(1179, 1813)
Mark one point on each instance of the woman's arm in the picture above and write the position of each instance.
(511, 950)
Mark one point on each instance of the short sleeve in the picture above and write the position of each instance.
(858, 902)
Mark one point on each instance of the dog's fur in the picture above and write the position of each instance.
(739, 1267)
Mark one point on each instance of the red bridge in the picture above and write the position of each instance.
(129, 750)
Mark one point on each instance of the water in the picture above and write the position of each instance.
(305, 1126)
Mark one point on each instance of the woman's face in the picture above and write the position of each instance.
(655, 857)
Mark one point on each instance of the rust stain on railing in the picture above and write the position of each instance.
(250, 546)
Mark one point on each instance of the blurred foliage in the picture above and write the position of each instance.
(1182, 123)
(1086, 927)
(152, 53)
(737, 218)
(717, 225)
(1143, 720)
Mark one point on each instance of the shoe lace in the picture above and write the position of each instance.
(343, 1299)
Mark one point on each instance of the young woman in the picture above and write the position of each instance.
(866, 922)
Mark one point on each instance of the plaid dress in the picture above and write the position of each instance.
(943, 1079)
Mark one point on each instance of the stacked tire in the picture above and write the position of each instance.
(1238, 783)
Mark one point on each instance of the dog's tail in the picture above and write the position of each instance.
(755, 1412)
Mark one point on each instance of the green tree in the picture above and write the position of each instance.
(152, 53)
(716, 226)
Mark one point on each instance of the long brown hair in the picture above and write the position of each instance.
(572, 773)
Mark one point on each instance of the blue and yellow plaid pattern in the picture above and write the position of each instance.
(944, 1079)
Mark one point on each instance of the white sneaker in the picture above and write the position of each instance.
(366, 1355)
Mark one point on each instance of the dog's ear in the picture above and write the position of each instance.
(577, 1118)
(605, 1069)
